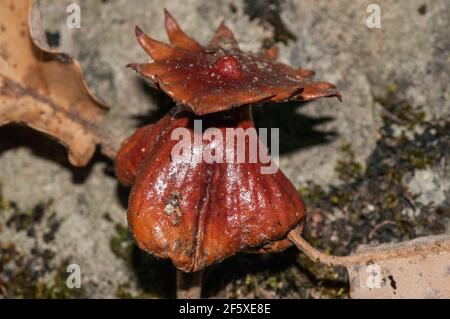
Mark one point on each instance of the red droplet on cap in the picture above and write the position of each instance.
(228, 66)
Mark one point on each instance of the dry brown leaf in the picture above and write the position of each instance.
(419, 268)
(415, 269)
(43, 88)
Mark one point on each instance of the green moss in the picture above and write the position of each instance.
(419, 159)
(249, 280)
(21, 280)
(29, 219)
(267, 43)
(4, 202)
(399, 111)
(279, 282)
(312, 194)
(392, 88)
(25, 275)
(348, 168)
(52, 226)
(330, 281)
(58, 289)
(121, 243)
(124, 291)
(25, 220)
(155, 278)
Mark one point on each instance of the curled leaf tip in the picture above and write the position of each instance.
(133, 66)
(138, 31)
(177, 36)
(306, 73)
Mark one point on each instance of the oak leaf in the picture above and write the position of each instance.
(43, 88)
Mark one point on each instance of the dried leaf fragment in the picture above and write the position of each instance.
(419, 268)
(44, 89)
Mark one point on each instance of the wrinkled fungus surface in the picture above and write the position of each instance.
(199, 213)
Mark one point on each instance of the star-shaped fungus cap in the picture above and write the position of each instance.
(220, 76)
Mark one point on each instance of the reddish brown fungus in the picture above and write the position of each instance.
(197, 212)
(228, 67)
(220, 76)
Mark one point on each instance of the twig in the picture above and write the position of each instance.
(359, 258)
(314, 254)
(379, 226)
